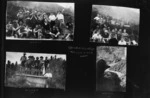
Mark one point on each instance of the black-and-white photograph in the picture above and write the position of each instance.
(27, 20)
(35, 70)
(115, 25)
(111, 69)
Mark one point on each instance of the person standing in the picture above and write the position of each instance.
(41, 65)
(46, 63)
(20, 16)
(23, 59)
(33, 19)
(37, 62)
(8, 65)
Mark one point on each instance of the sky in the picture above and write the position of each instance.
(127, 14)
(65, 5)
(125, 8)
(15, 56)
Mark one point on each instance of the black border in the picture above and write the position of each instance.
(137, 57)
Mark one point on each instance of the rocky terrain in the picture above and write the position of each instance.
(114, 77)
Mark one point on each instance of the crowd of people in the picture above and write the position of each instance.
(106, 29)
(32, 65)
(38, 24)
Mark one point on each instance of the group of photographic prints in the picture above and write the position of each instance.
(53, 65)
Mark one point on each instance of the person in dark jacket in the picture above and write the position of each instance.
(54, 32)
(101, 67)
(8, 65)
(41, 64)
(46, 62)
(37, 62)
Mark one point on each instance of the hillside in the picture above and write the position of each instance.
(115, 57)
